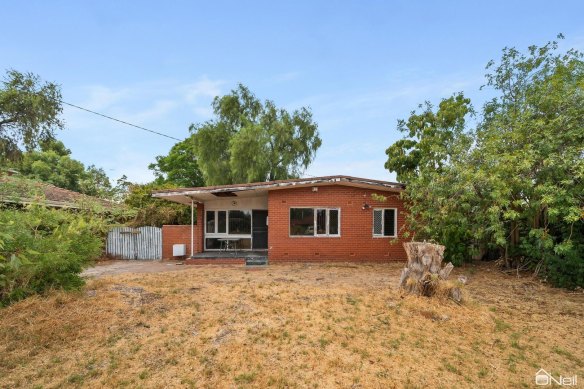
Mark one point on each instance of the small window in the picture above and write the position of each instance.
(378, 222)
(314, 222)
(301, 221)
(333, 222)
(210, 227)
(385, 222)
(321, 222)
(221, 222)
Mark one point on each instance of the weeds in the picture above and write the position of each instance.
(318, 336)
(500, 325)
(245, 378)
(567, 354)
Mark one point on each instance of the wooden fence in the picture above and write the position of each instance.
(135, 243)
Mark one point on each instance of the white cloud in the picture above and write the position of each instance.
(285, 77)
(159, 109)
(101, 97)
(204, 112)
(352, 148)
(356, 125)
(372, 103)
(166, 106)
(132, 163)
(367, 168)
(203, 88)
(134, 102)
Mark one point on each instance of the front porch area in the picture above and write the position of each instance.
(230, 254)
(248, 258)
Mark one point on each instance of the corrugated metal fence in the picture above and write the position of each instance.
(135, 243)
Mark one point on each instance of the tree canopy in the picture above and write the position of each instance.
(253, 141)
(51, 162)
(151, 211)
(515, 184)
(431, 138)
(179, 167)
(29, 112)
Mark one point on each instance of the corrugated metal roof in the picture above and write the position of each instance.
(184, 195)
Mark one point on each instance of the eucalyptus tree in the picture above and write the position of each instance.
(249, 140)
(30, 112)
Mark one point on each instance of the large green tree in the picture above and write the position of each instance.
(253, 141)
(51, 162)
(29, 112)
(515, 184)
(179, 167)
(433, 138)
(532, 140)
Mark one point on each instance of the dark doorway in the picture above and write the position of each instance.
(259, 229)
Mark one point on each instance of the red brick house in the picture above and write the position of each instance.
(334, 218)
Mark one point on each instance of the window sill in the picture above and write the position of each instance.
(314, 236)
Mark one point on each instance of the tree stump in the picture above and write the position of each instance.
(424, 273)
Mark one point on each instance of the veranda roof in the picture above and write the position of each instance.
(205, 193)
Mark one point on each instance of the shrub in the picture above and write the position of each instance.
(565, 270)
(42, 249)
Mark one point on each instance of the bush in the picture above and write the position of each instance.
(566, 270)
(43, 249)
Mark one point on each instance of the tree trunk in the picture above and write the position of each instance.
(424, 271)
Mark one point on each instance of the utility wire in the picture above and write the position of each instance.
(121, 121)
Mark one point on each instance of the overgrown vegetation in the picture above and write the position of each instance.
(51, 162)
(43, 249)
(150, 211)
(512, 186)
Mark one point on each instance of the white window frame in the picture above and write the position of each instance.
(225, 234)
(215, 234)
(383, 223)
(314, 215)
(216, 213)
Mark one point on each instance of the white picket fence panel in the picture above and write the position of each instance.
(135, 243)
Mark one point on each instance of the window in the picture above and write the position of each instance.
(234, 224)
(302, 221)
(210, 226)
(240, 222)
(228, 222)
(321, 222)
(221, 222)
(385, 222)
(314, 222)
(333, 221)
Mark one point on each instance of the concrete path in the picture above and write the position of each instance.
(107, 268)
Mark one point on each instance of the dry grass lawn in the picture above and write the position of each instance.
(305, 326)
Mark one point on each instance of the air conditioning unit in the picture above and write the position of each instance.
(179, 250)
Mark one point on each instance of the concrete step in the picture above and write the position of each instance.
(256, 261)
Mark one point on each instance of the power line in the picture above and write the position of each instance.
(121, 121)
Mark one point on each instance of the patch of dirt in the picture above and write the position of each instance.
(293, 325)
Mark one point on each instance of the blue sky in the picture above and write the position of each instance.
(359, 65)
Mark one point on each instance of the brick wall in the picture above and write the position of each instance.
(175, 234)
(356, 242)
